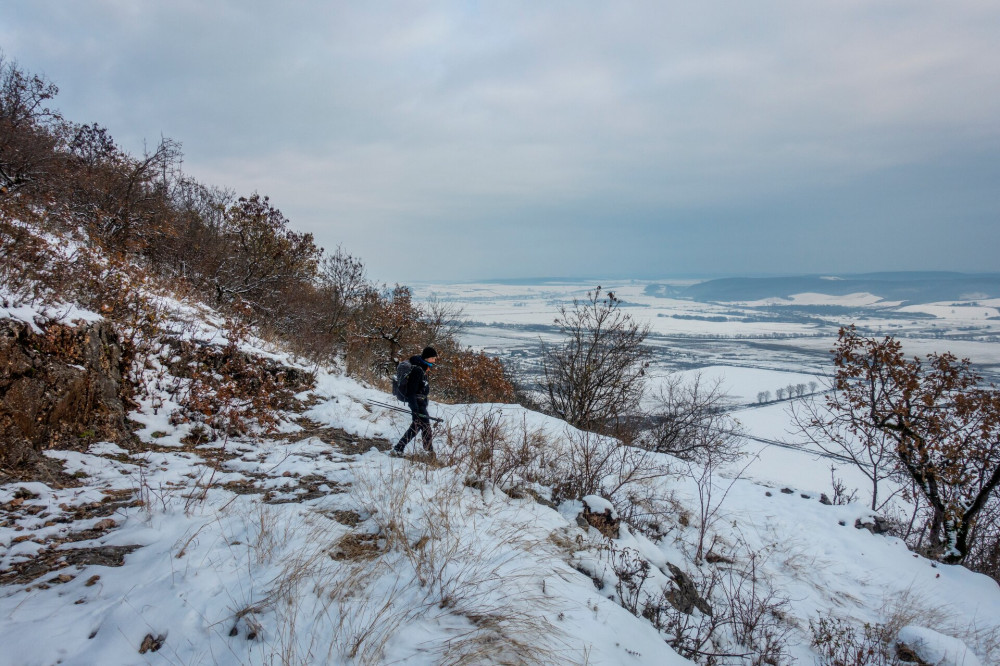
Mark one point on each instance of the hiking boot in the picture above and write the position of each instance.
(395, 453)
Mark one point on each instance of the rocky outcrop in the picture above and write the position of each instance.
(61, 388)
(684, 597)
(599, 514)
(874, 524)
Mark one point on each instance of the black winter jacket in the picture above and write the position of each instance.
(417, 386)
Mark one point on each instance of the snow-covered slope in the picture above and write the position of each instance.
(313, 546)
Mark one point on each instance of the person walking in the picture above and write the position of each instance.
(417, 389)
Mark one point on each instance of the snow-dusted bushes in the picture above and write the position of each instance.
(721, 614)
(840, 643)
(594, 378)
(486, 446)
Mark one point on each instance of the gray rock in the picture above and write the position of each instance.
(685, 596)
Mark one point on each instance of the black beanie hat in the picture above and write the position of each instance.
(428, 353)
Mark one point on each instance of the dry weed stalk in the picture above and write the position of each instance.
(417, 559)
(911, 607)
(484, 445)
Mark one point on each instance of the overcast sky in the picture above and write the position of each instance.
(513, 139)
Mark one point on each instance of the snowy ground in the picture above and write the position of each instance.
(313, 546)
(239, 561)
(537, 304)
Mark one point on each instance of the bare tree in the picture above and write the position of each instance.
(342, 282)
(691, 422)
(780, 392)
(443, 319)
(868, 449)
(595, 377)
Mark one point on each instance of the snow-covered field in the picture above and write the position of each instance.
(537, 304)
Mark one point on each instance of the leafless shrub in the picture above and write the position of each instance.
(840, 643)
(692, 635)
(841, 494)
(342, 280)
(711, 615)
(690, 420)
(595, 377)
(756, 613)
(710, 493)
(868, 449)
(593, 464)
(442, 319)
(485, 445)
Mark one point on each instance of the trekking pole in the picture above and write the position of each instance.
(400, 409)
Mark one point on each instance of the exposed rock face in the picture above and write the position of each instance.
(59, 389)
(685, 597)
(874, 524)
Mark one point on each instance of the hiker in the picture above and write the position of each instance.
(417, 388)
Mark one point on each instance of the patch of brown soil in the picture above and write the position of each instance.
(51, 560)
(349, 518)
(310, 484)
(341, 440)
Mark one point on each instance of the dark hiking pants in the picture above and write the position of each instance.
(422, 424)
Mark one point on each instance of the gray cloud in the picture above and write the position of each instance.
(566, 137)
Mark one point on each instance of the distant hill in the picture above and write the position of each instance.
(909, 287)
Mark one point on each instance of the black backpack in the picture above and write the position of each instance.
(401, 379)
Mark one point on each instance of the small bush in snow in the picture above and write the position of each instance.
(839, 643)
